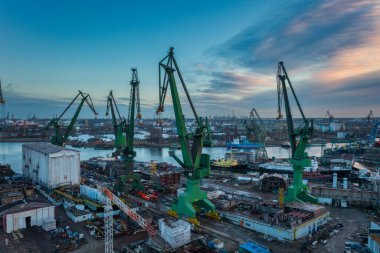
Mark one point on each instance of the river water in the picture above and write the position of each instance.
(11, 153)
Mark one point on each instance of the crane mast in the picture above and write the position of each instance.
(128, 153)
(118, 124)
(2, 101)
(298, 190)
(195, 164)
(61, 139)
(369, 116)
(134, 102)
(2, 108)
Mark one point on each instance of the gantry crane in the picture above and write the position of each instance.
(298, 190)
(60, 139)
(128, 153)
(195, 164)
(119, 125)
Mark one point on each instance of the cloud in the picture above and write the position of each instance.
(330, 50)
(305, 34)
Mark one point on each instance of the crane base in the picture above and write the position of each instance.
(300, 196)
(192, 198)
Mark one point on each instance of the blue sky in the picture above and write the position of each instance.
(227, 50)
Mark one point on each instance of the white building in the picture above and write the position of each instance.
(27, 214)
(50, 165)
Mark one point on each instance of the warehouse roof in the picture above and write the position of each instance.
(22, 206)
(305, 206)
(46, 147)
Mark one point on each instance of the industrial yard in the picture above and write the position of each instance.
(242, 127)
(246, 201)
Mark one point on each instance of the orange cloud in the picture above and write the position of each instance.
(355, 61)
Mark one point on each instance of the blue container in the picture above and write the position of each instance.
(252, 247)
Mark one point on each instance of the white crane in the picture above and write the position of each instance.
(108, 220)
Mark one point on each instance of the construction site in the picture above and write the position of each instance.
(186, 180)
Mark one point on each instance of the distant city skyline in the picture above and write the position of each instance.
(227, 51)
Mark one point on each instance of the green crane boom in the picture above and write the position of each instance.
(297, 191)
(195, 164)
(119, 125)
(61, 139)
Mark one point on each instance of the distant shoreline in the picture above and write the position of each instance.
(137, 143)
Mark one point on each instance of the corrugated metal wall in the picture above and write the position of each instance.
(64, 168)
(53, 170)
(16, 221)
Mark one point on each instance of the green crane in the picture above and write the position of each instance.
(61, 139)
(195, 164)
(119, 125)
(298, 190)
(256, 129)
(129, 154)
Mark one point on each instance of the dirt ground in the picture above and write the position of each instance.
(353, 220)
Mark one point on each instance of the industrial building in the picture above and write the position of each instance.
(344, 196)
(342, 160)
(295, 221)
(50, 165)
(24, 214)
